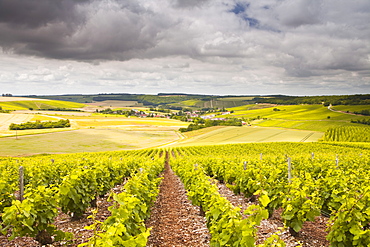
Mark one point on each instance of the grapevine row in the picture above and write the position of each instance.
(71, 185)
(224, 221)
(318, 185)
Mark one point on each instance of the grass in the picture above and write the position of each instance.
(304, 117)
(101, 121)
(351, 108)
(236, 98)
(89, 134)
(294, 112)
(38, 104)
(319, 125)
(191, 102)
(229, 135)
(98, 132)
(244, 109)
(116, 104)
(85, 140)
(38, 117)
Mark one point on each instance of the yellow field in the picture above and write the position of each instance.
(229, 135)
(304, 117)
(97, 132)
(8, 99)
(37, 104)
(6, 119)
(90, 133)
(84, 140)
(98, 121)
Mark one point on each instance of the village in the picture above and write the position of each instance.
(185, 116)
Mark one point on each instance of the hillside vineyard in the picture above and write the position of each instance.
(301, 180)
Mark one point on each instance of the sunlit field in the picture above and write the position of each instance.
(231, 135)
(84, 140)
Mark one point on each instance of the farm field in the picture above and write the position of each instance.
(271, 181)
(318, 125)
(124, 122)
(294, 123)
(99, 133)
(291, 112)
(304, 117)
(230, 135)
(115, 104)
(89, 133)
(84, 140)
(351, 108)
(320, 200)
(19, 103)
(8, 118)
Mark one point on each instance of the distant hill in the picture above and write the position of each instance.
(178, 101)
(27, 103)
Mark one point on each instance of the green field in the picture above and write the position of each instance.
(304, 117)
(236, 98)
(292, 112)
(38, 104)
(351, 108)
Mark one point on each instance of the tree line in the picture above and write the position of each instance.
(63, 123)
(209, 123)
(357, 99)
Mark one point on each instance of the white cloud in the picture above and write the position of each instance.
(218, 47)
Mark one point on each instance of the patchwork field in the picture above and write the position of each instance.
(303, 117)
(8, 118)
(92, 132)
(84, 140)
(89, 133)
(103, 133)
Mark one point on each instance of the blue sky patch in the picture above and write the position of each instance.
(239, 8)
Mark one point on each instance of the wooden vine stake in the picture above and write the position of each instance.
(245, 165)
(337, 160)
(261, 156)
(21, 183)
(312, 155)
(289, 170)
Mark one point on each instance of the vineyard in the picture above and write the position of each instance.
(348, 134)
(295, 183)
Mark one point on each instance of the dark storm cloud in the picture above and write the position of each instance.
(184, 42)
(38, 27)
(81, 30)
(36, 13)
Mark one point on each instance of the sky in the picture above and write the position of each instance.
(219, 47)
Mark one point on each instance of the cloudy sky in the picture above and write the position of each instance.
(295, 47)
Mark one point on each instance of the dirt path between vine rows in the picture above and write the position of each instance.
(174, 220)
